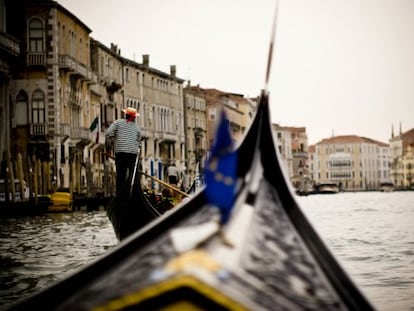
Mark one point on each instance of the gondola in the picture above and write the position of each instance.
(131, 209)
(266, 256)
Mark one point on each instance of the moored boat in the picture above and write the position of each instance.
(61, 201)
(22, 203)
(328, 188)
(21, 194)
(386, 186)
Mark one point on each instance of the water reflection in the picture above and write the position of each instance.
(37, 251)
(371, 234)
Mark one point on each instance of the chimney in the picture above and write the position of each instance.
(145, 60)
(173, 70)
(114, 47)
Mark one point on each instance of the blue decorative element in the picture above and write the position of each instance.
(220, 170)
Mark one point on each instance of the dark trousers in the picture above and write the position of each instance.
(172, 179)
(125, 163)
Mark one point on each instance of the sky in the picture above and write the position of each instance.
(343, 67)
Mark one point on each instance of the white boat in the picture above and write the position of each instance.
(328, 187)
(18, 191)
(386, 186)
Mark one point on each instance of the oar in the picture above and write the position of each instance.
(165, 184)
(135, 171)
(156, 179)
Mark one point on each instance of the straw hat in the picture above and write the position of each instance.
(131, 111)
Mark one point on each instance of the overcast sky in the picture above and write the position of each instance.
(343, 67)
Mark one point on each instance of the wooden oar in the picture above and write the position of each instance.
(156, 179)
(165, 184)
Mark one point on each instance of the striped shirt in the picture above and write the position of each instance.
(123, 136)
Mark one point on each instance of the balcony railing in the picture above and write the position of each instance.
(299, 154)
(38, 129)
(70, 63)
(80, 133)
(36, 59)
(64, 129)
(166, 136)
(10, 44)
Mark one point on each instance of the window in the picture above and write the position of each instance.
(21, 109)
(126, 74)
(36, 35)
(38, 107)
(76, 116)
(212, 114)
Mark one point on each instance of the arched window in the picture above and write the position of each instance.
(36, 35)
(21, 109)
(38, 107)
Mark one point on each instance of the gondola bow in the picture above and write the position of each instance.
(266, 256)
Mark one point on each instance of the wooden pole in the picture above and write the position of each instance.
(35, 181)
(39, 177)
(20, 176)
(29, 166)
(11, 174)
(73, 176)
(78, 172)
(46, 177)
(48, 166)
(165, 184)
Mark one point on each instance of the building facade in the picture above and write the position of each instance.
(64, 91)
(9, 53)
(402, 166)
(161, 119)
(49, 92)
(235, 107)
(195, 110)
(284, 147)
(352, 162)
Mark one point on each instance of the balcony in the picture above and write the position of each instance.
(199, 153)
(68, 63)
(36, 59)
(81, 133)
(166, 137)
(64, 130)
(38, 129)
(300, 154)
(199, 132)
(9, 44)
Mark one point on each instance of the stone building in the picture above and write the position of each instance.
(9, 52)
(49, 92)
(159, 98)
(65, 90)
(402, 153)
(284, 145)
(195, 110)
(353, 162)
(296, 159)
(237, 107)
(107, 100)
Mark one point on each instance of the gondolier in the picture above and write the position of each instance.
(124, 138)
(172, 172)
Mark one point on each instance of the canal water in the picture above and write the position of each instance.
(370, 233)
